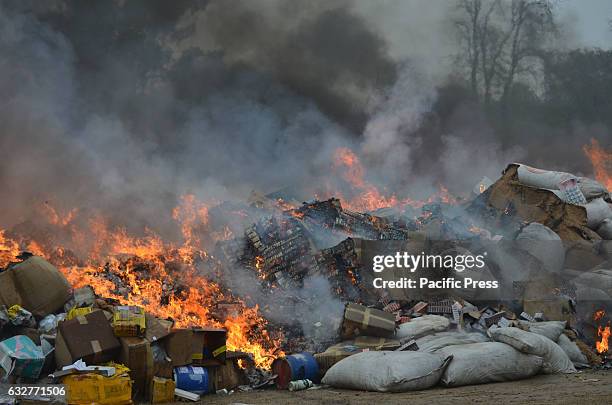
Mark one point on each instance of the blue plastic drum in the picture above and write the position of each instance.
(294, 367)
(192, 379)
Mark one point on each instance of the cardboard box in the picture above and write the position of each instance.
(209, 346)
(198, 346)
(229, 375)
(360, 320)
(179, 346)
(554, 309)
(162, 364)
(74, 312)
(156, 328)
(129, 321)
(334, 354)
(83, 389)
(88, 337)
(21, 357)
(162, 390)
(36, 285)
(136, 354)
(376, 343)
(163, 369)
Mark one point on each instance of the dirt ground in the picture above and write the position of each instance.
(588, 387)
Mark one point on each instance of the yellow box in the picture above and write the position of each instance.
(74, 312)
(129, 321)
(94, 389)
(162, 390)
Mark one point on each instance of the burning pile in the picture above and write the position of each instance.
(280, 246)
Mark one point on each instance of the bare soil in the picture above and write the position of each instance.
(588, 387)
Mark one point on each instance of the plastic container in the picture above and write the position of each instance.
(300, 366)
(299, 385)
(192, 379)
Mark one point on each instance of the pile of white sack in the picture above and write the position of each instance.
(455, 358)
(589, 193)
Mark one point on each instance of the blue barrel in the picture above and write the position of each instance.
(294, 367)
(192, 379)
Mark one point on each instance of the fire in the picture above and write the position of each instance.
(9, 249)
(604, 332)
(366, 196)
(259, 265)
(167, 279)
(601, 160)
(55, 217)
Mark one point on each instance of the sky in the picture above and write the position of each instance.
(592, 19)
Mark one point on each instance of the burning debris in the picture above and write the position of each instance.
(171, 311)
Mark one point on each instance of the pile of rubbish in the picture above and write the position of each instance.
(106, 353)
(391, 342)
(100, 351)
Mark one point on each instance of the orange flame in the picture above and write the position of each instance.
(602, 162)
(602, 346)
(259, 265)
(367, 196)
(9, 249)
(603, 332)
(165, 278)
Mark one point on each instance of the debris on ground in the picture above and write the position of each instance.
(108, 351)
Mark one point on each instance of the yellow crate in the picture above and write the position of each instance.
(88, 389)
(74, 312)
(162, 391)
(129, 321)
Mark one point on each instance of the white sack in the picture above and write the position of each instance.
(597, 211)
(571, 349)
(387, 371)
(591, 188)
(434, 342)
(600, 279)
(550, 329)
(605, 229)
(481, 363)
(424, 325)
(530, 176)
(544, 244)
(555, 359)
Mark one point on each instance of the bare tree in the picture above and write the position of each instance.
(500, 40)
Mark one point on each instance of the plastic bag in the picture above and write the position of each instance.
(48, 325)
